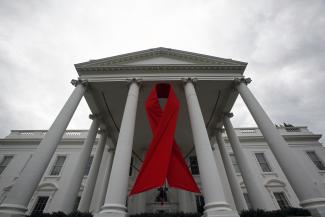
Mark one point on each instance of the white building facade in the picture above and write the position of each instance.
(267, 167)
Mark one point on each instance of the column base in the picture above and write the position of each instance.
(316, 206)
(219, 209)
(220, 213)
(12, 210)
(112, 210)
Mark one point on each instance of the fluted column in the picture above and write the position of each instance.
(19, 196)
(214, 196)
(78, 173)
(232, 178)
(118, 183)
(307, 189)
(254, 186)
(88, 191)
(102, 195)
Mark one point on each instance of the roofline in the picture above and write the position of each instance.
(158, 50)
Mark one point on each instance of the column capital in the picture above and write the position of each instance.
(134, 80)
(75, 82)
(189, 79)
(246, 81)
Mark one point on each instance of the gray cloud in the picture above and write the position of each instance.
(283, 42)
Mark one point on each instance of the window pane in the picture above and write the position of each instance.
(194, 165)
(263, 162)
(281, 199)
(40, 205)
(4, 163)
(318, 163)
(56, 169)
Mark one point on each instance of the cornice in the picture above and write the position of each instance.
(158, 52)
(313, 137)
(159, 67)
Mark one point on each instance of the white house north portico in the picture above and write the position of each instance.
(207, 87)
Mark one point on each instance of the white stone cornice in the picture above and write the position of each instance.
(158, 52)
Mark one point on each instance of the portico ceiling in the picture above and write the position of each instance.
(108, 86)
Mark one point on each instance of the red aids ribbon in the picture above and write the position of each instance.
(164, 158)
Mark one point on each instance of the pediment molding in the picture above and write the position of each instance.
(178, 59)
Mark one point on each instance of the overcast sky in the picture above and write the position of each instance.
(282, 41)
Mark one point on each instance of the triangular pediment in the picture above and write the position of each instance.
(160, 56)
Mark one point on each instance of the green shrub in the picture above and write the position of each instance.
(248, 213)
(276, 213)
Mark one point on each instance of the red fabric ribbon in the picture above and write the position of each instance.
(164, 158)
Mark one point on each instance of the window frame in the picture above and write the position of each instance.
(36, 202)
(54, 163)
(286, 201)
(266, 162)
(318, 160)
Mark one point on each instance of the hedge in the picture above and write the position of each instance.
(248, 213)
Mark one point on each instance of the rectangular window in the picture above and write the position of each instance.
(4, 163)
(248, 202)
(199, 203)
(40, 205)
(90, 161)
(56, 169)
(194, 165)
(263, 162)
(234, 163)
(131, 167)
(281, 199)
(318, 163)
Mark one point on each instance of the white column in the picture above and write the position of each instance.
(232, 178)
(21, 193)
(254, 186)
(307, 189)
(213, 193)
(102, 195)
(223, 174)
(88, 191)
(78, 173)
(118, 183)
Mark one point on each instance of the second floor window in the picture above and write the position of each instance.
(263, 162)
(4, 163)
(194, 165)
(57, 167)
(315, 159)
